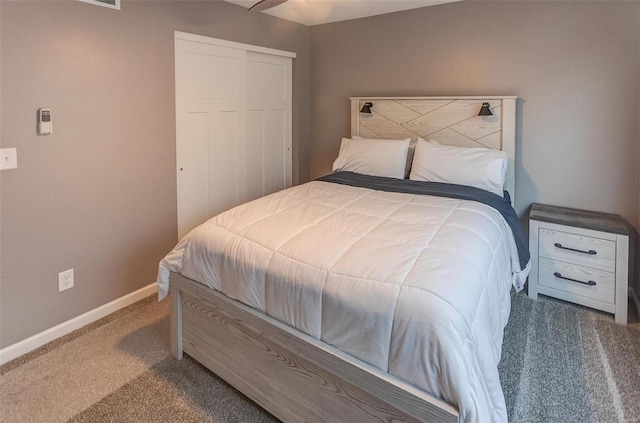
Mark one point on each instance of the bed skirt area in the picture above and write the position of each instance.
(290, 374)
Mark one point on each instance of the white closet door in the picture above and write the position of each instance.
(268, 124)
(210, 111)
(233, 125)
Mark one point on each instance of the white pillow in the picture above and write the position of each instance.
(410, 152)
(477, 167)
(375, 157)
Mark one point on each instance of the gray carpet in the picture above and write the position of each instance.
(175, 391)
(566, 363)
(560, 363)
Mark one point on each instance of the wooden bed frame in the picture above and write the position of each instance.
(292, 375)
(296, 377)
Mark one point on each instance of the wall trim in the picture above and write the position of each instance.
(27, 345)
(231, 44)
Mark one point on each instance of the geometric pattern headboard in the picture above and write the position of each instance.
(447, 120)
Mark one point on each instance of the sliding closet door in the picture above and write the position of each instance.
(210, 109)
(268, 124)
(233, 125)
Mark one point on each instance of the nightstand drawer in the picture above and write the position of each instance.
(557, 275)
(577, 249)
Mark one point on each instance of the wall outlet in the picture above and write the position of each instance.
(65, 280)
(8, 158)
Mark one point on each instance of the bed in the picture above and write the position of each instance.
(314, 303)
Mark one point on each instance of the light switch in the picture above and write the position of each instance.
(8, 158)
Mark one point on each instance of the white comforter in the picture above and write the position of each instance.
(417, 286)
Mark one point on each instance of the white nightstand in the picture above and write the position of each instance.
(581, 257)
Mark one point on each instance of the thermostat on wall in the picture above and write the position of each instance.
(45, 125)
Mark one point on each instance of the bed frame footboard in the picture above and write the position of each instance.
(290, 374)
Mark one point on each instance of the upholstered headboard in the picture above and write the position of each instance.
(447, 120)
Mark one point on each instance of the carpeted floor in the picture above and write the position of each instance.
(173, 391)
(560, 363)
(566, 363)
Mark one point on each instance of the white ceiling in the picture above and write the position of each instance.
(316, 12)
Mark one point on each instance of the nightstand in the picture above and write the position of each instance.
(580, 256)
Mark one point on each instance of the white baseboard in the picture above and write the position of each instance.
(19, 348)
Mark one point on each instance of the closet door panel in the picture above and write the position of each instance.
(224, 161)
(269, 91)
(255, 154)
(275, 169)
(195, 194)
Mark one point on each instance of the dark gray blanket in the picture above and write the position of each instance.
(462, 192)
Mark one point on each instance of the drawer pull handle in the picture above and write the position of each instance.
(590, 252)
(558, 275)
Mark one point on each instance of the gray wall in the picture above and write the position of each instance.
(99, 195)
(574, 65)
